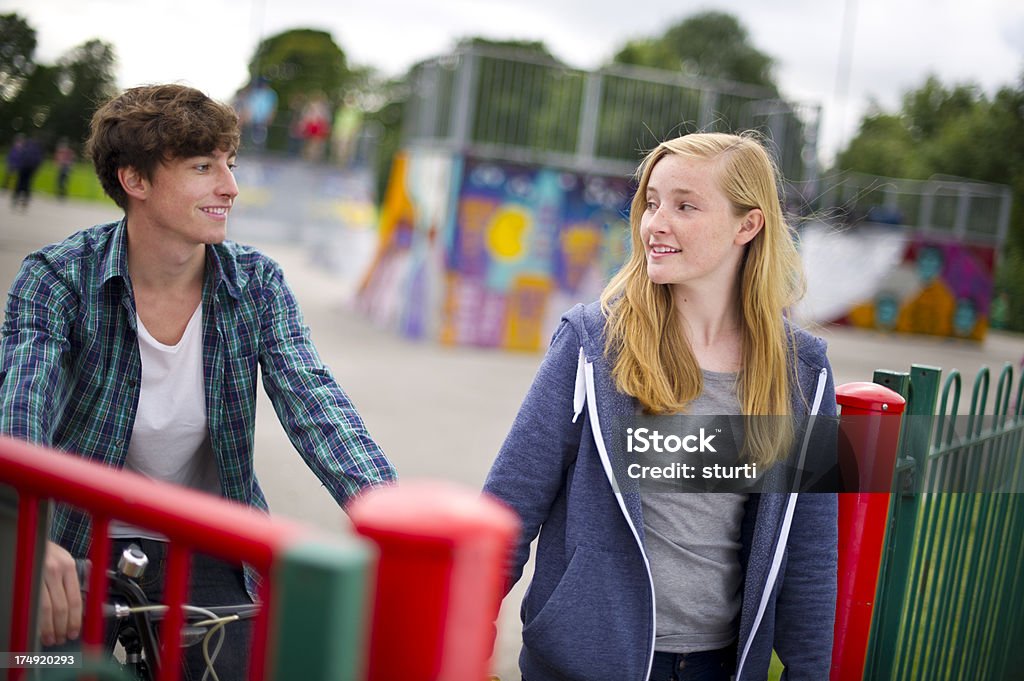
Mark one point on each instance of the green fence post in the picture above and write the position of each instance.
(319, 611)
(899, 567)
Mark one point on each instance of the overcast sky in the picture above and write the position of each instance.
(895, 43)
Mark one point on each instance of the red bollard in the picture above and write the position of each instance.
(869, 430)
(443, 551)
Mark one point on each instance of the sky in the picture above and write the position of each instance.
(841, 54)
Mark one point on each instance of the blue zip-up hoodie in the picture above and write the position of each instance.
(589, 613)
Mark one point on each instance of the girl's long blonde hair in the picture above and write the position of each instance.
(651, 356)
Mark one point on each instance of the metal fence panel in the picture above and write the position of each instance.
(950, 596)
(527, 107)
(967, 210)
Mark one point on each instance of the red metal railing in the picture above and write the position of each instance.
(432, 540)
(441, 574)
(442, 554)
(192, 521)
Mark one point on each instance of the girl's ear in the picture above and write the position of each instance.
(750, 225)
(133, 183)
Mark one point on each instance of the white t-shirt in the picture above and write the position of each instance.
(171, 438)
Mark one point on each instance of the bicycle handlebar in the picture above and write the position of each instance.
(131, 603)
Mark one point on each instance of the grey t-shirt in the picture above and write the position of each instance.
(693, 543)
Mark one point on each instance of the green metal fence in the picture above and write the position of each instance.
(950, 601)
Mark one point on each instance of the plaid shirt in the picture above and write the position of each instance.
(70, 369)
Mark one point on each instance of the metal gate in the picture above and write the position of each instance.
(951, 589)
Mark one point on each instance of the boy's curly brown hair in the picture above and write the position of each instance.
(154, 124)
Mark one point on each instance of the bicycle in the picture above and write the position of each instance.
(136, 618)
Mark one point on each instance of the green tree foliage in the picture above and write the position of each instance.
(31, 110)
(710, 44)
(883, 146)
(740, 92)
(297, 64)
(931, 106)
(17, 47)
(85, 78)
(48, 101)
(959, 131)
(536, 48)
(385, 106)
(941, 130)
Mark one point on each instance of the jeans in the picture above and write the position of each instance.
(706, 665)
(211, 582)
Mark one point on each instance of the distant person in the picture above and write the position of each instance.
(347, 125)
(26, 161)
(64, 157)
(11, 167)
(138, 344)
(675, 585)
(296, 106)
(260, 107)
(315, 125)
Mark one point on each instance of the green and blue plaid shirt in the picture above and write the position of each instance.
(70, 368)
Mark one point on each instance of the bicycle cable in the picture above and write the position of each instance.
(218, 627)
(215, 623)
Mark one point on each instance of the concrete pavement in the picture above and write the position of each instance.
(438, 412)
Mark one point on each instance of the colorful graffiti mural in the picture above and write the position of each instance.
(941, 287)
(486, 253)
(895, 278)
(478, 252)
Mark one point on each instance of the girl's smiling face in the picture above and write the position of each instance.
(691, 232)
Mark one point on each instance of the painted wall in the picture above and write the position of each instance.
(941, 287)
(490, 254)
(485, 253)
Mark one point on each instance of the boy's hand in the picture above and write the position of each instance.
(60, 597)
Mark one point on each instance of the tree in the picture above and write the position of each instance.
(17, 46)
(32, 109)
(884, 146)
(385, 102)
(741, 92)
(710, 44)
(955, 131)
(296, 64)
(85, 78)
(932, 105)
(943, 130)
(55, 101)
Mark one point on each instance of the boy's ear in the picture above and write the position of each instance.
(133, 183)
(751, 224)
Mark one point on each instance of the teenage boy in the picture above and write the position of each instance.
(137, 344)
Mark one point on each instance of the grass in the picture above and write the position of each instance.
(82, 184)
